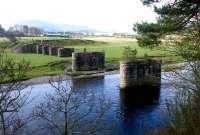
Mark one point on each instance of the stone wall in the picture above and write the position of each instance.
(65, 52)
(28, 48)
(140, 72)
(85, 61)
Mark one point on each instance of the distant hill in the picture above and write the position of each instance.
(51, 27)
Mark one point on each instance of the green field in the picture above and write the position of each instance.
(113, 47)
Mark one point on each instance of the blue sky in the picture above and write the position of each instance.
(104, 15)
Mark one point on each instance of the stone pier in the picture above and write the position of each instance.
(45, 50)
(27, 48)
(86, 61)
(140, 72)
(65, 52)
(39, 49)
(53, 51)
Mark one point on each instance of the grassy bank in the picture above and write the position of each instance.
(113, 47)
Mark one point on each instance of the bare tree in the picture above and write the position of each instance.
(11, 97)
(69, 111)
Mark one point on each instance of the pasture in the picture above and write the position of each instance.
(43, 65)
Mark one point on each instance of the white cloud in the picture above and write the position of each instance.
(105, 15)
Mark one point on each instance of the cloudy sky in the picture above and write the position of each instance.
(104, 15)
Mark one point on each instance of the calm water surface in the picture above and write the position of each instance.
(130, 118)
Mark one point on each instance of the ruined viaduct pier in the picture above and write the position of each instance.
(140, 72)
(87, 61)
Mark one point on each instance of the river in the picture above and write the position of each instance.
(129, 117)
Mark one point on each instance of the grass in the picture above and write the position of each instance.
(113, 47)
(42, 65)
(36, 60)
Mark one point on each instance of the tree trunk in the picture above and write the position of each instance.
(66, 121)
(66, 130)
(3, 124)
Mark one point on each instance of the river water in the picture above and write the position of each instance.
(130, 117)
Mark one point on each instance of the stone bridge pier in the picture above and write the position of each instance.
(140, 72)
(87, 61)
(45, 50)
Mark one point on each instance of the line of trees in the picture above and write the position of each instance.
(7, 34)
(20, 31)
(25, 30)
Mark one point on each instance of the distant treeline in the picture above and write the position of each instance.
(7, 34)
(25, 30)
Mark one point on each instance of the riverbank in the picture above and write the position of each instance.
(45, 65)
(90, 74)
(46, 79)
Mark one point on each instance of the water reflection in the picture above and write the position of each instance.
(84, 82)
(91, 85)
(134, 110)
(139, 96)
(130, 100)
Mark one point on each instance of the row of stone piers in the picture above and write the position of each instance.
(54, 51)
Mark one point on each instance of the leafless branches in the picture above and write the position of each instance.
(70, 111)
(11, 96)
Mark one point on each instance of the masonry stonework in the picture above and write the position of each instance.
(140, 72)
(28, 48)
(65, 52)
(86, 61)
(45, 50)
(53, 51)
(39, 49)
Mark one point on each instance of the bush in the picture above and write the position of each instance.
(129, 53)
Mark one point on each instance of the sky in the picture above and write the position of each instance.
(104, 15)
